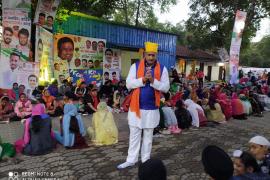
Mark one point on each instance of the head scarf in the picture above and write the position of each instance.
(102, 106)
(70, 109)
(234, 96)
(38, 109)
(211, 102)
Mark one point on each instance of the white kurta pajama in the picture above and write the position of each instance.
(149, 118)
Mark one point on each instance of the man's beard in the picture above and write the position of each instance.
(23, 44)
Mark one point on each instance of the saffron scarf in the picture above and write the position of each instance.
(135, 97)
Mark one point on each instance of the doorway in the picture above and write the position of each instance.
(209, 73)
(201, 66)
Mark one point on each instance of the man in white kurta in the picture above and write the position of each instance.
(149, 118)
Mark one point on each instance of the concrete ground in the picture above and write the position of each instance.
(181, 154)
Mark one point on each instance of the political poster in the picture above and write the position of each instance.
(45, 13)
(236, 45)
(44, 53)
(16, 27)
(17, 4)
(223, 54)
(112, 65)
(14, 69)
(77, 52)
(90, 76)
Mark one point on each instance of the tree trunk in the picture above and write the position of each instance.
(126, 11)
(138, 13)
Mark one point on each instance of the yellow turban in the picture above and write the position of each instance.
(151, 47)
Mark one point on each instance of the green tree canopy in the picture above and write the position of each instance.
(257, 54)
(136, 12)
(207, 13)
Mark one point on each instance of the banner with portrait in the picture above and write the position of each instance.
(77, 52)
(44, 53)
(90, 76)
(17, 4)
(16, 27)
(13, 69)
(238, 29)
(223, 54)
(45, 13)
(112, 65)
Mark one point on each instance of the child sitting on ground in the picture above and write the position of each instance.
(23, 107)
(246, 167)
(259, 148)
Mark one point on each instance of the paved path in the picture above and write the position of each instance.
(180, 153)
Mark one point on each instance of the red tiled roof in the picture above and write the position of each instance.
(182, 51)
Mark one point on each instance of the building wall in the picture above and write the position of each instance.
(126, 57)
(122, 37)
(215, 68)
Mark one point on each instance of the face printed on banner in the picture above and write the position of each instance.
(56, 67)
(106, 76)
(7, 35)
(94, 45)
(109, 55)
(32, 81)
(40, 48)
(50, 21)
(88, 44)
(90, 64)
(101, 46)
(65, 48)
(77, 62)
(41, 19)
(114, 76)
(13, 61)
(47, 5)
(23, 37)
(84, 63)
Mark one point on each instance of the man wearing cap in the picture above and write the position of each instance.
(147, 79)
(259, 148)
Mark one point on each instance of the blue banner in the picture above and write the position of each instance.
(93, 76)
